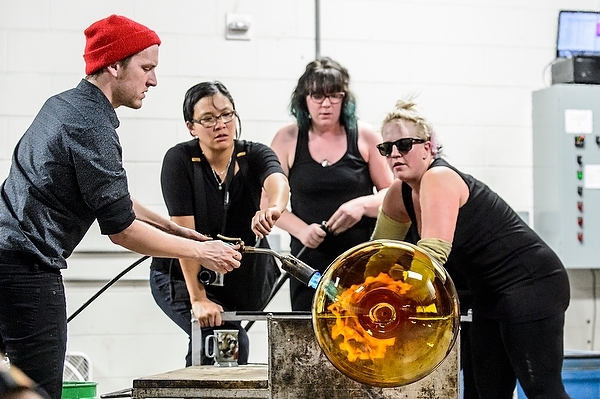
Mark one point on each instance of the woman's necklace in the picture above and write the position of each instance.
(219, 177)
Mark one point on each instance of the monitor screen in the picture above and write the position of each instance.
(578, 34)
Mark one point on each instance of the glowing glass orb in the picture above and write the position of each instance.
(385, 313)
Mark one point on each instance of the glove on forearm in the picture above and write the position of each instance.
(386, 227)
(437, 248)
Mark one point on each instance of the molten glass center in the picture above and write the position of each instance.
(377, 312)
(382, 313)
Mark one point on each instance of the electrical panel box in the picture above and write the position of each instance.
(566, 172)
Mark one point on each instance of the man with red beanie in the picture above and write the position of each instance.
(66, 172)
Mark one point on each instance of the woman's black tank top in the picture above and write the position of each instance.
(510, 270)
(318, 191)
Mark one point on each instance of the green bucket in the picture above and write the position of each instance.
(79, 390)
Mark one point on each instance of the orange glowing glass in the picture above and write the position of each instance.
(385, 313)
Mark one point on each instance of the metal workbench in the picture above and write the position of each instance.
(297, 369)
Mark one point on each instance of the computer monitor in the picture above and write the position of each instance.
(578, 34)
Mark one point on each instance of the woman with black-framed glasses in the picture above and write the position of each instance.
(213, 185)
(334, 169)
(520, 288)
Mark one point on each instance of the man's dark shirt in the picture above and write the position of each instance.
(66, 171)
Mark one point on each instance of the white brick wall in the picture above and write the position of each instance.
(475, 64)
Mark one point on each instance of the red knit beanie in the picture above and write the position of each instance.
(113, 39)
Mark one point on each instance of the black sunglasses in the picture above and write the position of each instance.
(403, 145)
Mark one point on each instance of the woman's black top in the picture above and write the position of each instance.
(513, 274)
(317, 191)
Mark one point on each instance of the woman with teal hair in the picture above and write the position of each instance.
(337, 177)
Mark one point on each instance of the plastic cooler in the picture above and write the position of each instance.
(79, 390)
(580, 374)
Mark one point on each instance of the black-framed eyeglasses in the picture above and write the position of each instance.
(211, 121)
(403, 145)
(334, 98)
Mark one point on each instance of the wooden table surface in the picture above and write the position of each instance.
(248, 381)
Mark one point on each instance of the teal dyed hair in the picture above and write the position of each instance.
(323, 76)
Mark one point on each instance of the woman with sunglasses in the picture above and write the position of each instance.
(333, 167)
(213, 184)
(520, 288)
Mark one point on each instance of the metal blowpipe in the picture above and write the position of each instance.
(289, 263)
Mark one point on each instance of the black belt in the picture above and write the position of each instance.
(26, 259)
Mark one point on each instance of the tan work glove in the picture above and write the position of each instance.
(386, 227)
(437, 248)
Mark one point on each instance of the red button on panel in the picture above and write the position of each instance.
(580, 206)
